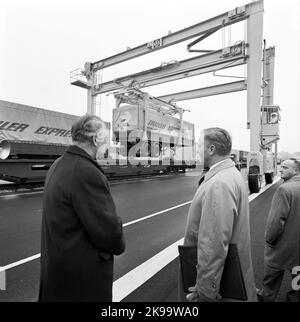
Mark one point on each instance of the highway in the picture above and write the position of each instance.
(154, 214)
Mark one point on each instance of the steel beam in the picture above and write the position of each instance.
(254, 76)
(91, 99)
(185, 68)
(205, 91)
(268, 68)
(222, 20)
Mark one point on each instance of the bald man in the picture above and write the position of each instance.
(81, 230)
(282, 236)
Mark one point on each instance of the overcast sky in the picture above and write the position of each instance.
(43, 41)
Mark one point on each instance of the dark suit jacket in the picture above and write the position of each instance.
(80, 231)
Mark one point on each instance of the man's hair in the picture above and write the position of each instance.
(296, 164)
(86, 127)
(220, 138)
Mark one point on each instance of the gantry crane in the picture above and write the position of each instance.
(262, 115)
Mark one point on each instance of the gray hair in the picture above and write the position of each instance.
(220, 138)
(86, 127)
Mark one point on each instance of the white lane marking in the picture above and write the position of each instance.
(155, 214)
(23, 261)
(139, 275)
(28, 259)
(17, 195)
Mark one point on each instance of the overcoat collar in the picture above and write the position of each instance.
(74, 149)
(227, 163)
(294, 178)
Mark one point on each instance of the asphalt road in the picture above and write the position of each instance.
(20, 220)
(163, 286)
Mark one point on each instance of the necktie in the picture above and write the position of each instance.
(202, 176)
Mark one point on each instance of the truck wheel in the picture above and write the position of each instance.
(253, 179)
(269, 178)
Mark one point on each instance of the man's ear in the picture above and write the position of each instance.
(94, 138)
(211, 150)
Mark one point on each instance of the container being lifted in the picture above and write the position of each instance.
(148, 123)
(31, 139)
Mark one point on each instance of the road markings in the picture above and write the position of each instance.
(18, 195)
(31, 258)
(23, 261)
(139, 275)
(155, 214)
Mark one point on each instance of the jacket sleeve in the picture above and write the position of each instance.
(279, 211)
(215, 231)
(95, 207)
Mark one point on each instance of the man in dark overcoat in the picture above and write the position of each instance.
(81, 231)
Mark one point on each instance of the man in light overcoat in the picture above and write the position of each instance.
(219, 216)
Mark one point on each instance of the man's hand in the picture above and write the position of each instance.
(194, 296)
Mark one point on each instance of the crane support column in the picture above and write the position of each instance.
(91, 98)
(254, 75)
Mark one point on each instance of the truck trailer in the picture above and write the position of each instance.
(32, 138)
